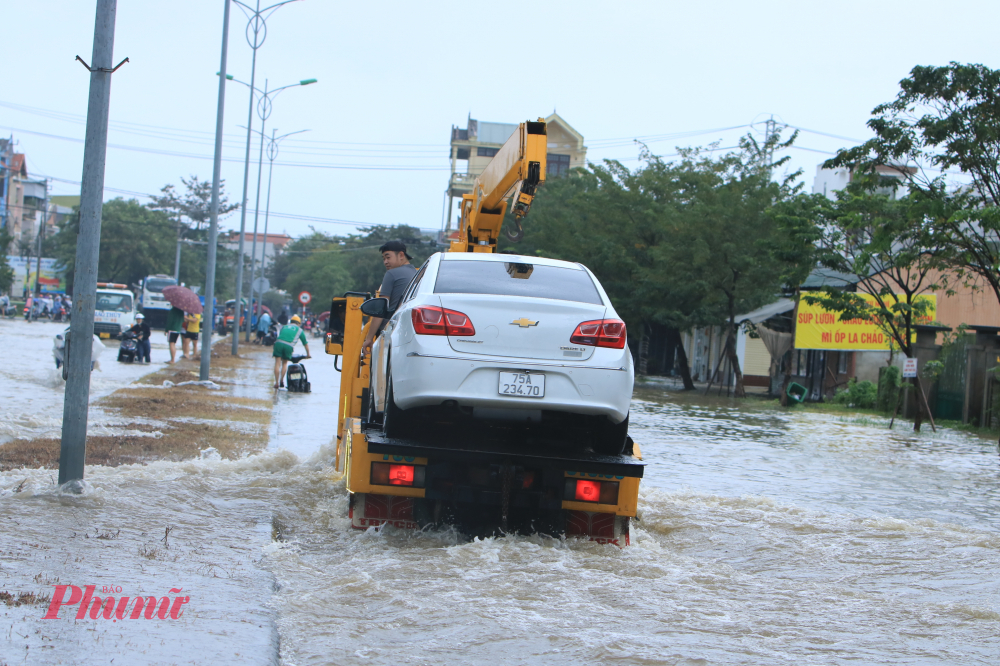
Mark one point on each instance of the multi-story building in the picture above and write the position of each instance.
(480, 141)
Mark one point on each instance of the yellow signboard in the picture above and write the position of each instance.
(818, 328)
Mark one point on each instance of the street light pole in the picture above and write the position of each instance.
(272, 154)
(257, 26)
(264, 107)
(73, 446)
(208, 323)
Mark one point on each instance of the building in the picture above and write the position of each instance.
(480, 141)
(273, 244)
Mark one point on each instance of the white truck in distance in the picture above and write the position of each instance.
(114, 311)
(154, 305)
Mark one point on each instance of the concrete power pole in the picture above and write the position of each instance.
(213, 229)
(41, 238)
(74, 429)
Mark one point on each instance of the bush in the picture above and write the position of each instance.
(863, 395)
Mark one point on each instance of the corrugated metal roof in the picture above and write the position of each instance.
(825, 277)
(760, 314)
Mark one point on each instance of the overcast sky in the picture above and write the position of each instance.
(395, 76)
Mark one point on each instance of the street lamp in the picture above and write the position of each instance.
(272, 154)
(264, 106)
(256, 33)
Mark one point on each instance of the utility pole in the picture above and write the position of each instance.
(73, 452)
(177, 256)
(208, 322)
(41, 238)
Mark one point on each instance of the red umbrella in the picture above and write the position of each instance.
(266, 309)
(183, 298)
(324, 316)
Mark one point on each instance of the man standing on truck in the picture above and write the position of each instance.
(283, 347)
(398, 273)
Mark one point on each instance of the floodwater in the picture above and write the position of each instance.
(765, 537)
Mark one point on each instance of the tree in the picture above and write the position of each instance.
(6, 272)
(327, 266)
(892, 247)
(193, 208)
(135, 241)
(945, 118)
(683, 244)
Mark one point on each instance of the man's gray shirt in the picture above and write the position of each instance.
(394, 284)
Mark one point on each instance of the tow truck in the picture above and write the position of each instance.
(482, 482)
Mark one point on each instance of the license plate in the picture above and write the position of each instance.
(105, 335)
(522, 384)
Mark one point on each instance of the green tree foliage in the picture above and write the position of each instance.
(327, 266)
(685, 243)
(6, 272)
(943, 119)
(892, 247)
(135, 241)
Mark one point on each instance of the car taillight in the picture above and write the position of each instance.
(600, 333)
(391, 474)
(585, 490)
(430, 320)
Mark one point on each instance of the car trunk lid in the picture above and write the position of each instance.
(533, 328)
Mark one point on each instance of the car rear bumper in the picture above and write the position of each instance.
(424, 379)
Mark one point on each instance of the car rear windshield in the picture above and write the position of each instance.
(512, 279)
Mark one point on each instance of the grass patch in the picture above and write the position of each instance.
(24, 598)
(187, 401)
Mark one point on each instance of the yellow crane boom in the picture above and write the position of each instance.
(517, 169)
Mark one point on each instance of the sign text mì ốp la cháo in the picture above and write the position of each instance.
(818, 328)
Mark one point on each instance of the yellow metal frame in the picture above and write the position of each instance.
(628, 495)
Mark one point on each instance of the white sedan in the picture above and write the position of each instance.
(521, 342)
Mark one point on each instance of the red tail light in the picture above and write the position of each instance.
(430, 320)
(585, 490)
(390, 474)
(600, 333)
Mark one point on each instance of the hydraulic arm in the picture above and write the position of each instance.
(517, 169)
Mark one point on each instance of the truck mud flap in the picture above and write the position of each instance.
(370, 510)
(599, 527)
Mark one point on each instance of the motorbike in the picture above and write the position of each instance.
(296, 378)
(270, 336)
(129, 348)
(9, 311)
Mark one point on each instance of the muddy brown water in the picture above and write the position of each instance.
(765, 537)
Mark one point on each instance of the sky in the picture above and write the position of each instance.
(393, 77)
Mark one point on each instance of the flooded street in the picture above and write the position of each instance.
(765, 537)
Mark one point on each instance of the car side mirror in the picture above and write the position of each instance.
(376, 307)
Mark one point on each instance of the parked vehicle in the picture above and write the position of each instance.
(129, 348)
(508, 340)
(154, 306)
(296, 378)
(114, 311)
(271, 335)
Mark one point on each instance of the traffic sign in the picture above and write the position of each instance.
(910, 367)
(305, 297)
(261, 284)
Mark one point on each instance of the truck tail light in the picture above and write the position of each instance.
(600, 333)
(587, 490)
(391, 474)
(431, 320)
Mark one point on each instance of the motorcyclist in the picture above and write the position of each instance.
(142, 334)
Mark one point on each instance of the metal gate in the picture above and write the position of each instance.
(951, 383)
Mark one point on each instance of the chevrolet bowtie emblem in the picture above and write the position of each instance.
(523, 323)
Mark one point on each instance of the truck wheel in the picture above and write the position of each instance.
(611, 437)
(394, 421)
